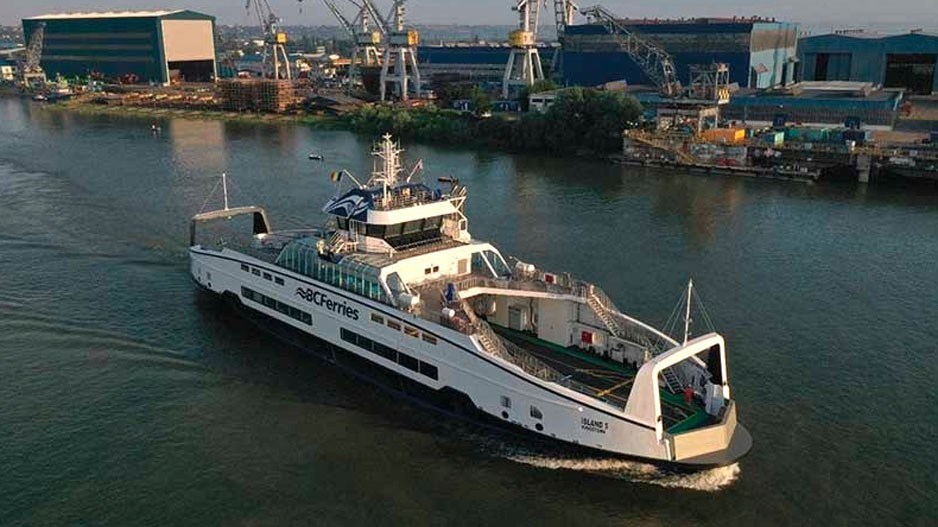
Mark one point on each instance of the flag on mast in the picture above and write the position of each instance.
(335, 176)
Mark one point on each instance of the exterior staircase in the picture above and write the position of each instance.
(596, 305)
(672, 381)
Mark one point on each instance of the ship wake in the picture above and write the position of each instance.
(711, 480)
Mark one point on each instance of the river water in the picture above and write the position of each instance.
(127, 398)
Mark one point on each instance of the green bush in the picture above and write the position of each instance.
(579, 121)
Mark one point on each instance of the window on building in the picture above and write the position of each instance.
(429, 338)
(377, 318)
(411, 332)
(394, 325)
(506, 401)
(278, 280)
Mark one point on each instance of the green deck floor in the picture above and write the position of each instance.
(696, 413)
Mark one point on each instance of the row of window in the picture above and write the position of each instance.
(257, 272)
(272, 303)
(408, 330)
(362, 280)
(390, 354)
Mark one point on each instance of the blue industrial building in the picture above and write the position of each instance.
(760, 52)
(899, 61)
(478, 63)
(150, 46)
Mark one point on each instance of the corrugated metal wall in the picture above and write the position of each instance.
(113, 47)
(856, 58)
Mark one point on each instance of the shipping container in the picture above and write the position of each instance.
(774, 138)
(725, 135)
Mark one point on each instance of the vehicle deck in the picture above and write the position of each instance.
(610, 380)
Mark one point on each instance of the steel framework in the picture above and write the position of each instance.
(654, 61)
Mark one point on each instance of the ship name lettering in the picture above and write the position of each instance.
(594, 425)
(322, 299)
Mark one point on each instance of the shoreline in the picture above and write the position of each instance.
(128, 111)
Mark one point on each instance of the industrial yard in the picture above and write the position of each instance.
(734, 95)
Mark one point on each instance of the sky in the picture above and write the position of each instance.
(895, 14)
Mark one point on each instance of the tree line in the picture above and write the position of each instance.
(580, 121)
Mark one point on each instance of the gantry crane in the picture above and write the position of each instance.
(367, 51)
(276, 64)
(524, 63)
(30, 71)
(399, 66)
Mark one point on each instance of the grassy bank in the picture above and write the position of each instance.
(87, 108)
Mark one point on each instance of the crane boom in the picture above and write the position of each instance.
(382, 22)
(344, 22)
(655, 62)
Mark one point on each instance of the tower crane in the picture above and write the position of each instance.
(524, 63)
(367, 41)
(276, 64)
(654, 61)
(30, 71)
(399, 67)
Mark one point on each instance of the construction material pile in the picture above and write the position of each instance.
(258, 95)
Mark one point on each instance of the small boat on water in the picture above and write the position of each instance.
(395, 287)
(316, 157)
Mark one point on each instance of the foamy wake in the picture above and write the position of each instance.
(710, 480)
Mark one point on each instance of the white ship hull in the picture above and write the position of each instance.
(440, 358)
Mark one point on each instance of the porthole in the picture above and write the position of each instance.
(539, 427)
(505, 415)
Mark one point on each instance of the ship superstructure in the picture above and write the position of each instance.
(395, 283)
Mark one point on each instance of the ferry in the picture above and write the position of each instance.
(393, 284)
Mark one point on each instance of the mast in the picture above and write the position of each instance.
(224, 187)
(690, 292)
(390, 167)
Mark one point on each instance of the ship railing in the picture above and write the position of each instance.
(624, 327)
(398, 200)
(467, 322)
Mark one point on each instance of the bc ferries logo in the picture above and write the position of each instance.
(321, 299)
(594, 425)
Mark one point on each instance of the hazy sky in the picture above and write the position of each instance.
(818, 13)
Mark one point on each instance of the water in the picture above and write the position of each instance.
(127, 398)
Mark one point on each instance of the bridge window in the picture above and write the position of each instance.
(506, 401)
(536, 413)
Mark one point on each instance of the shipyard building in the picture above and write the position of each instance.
(760, 52)
(140, 46)
(898, 61)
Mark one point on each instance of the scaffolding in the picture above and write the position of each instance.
(259, 95)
